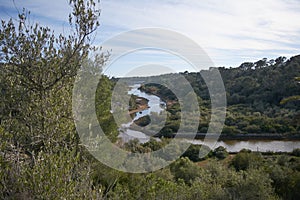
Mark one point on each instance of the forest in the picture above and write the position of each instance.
(41, 154)
(259, 98)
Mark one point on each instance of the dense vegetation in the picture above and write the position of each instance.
(41, 156)
(261, 98)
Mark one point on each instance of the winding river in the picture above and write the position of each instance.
(156, 105)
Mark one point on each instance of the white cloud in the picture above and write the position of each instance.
(264, 25)
(54, 9)
(229, 30)
(53, 14)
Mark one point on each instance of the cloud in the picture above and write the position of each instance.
(53, 14)
(154, 46)
(57, 10)
(230, 31)
(263, 26)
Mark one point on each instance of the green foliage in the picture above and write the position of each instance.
(283, 160)
(153, 144)
(296, 152)
(143, 121)
(135, 146)
(220, 153)
(193, 152)
(40, 153)
(185, 169)
(63, 173)
(288, 99)
(254, 92)
(245, 160)
(252, 184)
(286, 182)
(291, 98)
(37, 74)
(103, 105)
(39, 144)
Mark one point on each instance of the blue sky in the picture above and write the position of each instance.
(229, 31)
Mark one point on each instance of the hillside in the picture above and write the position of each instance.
(254, 92)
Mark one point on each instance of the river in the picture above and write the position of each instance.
(157, 105)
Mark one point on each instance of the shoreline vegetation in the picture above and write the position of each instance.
(139, 104)
(223, 137)
(235, 136)
(259, 103)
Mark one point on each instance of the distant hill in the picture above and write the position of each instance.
(254, 91)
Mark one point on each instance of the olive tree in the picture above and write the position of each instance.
(38, 69)
(37, 72)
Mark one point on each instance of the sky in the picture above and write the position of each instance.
(230, 32)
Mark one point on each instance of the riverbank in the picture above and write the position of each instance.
(263, 142)
(242, 118)
(140, 105)
(248, 136)
(224, 137)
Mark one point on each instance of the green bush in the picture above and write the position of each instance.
(296, 152)
(220, 153)
(193, 152)
(245, 160)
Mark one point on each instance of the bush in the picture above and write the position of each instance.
(296, 152)
(282, 160)
(244, 160)
(220, 153)
(143, 121)
(185, 169)
(193, 152)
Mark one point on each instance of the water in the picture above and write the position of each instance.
(129, 134)
(231, 145)
(156, 105)
(154, 102)
(255, 145)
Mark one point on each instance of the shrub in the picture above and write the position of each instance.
(220, 153)
(296, 152)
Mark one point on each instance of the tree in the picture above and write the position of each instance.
(193, 153)
(261, 63)
(252, 184)
(37, 71)
(280, 60)
(246, 66)
(291, 98)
